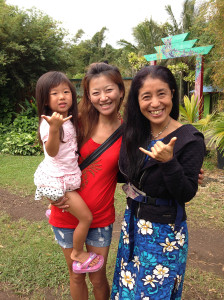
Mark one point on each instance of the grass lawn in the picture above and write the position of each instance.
(32, 264)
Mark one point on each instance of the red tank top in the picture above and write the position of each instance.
(99, 181)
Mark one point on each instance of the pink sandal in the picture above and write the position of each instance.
(48, 213)
(78, 267)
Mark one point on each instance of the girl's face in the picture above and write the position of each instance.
(105, 95)
(60, 99)
(155, 101)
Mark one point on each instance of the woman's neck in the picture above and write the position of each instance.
(105, 127)
(109, 121)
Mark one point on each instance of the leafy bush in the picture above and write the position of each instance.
(20, 138)
(29, 108)
(6, 111)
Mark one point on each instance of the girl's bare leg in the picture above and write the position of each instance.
(101, 288)
(79, 209)
(78, 287)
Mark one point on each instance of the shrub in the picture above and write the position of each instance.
(29, 108)
(20, 138)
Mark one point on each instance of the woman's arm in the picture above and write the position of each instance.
(61, 203)
(178, 172)
(181, 173)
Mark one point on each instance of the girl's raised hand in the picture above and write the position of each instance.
(161, 151)
(56, 119)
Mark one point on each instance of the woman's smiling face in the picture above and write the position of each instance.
(155, 101)
(105, 95)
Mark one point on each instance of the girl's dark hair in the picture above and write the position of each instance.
(136, 126)
(88, 113)
(44, 84)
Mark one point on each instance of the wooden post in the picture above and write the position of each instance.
(199, 83)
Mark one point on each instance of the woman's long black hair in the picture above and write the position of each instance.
(136, 126)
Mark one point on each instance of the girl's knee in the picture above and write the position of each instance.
(89, 217)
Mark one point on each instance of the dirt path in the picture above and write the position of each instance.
(208, 258)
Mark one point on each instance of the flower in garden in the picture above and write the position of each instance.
(181, 238)
(150, 279)
(169, 246)
(145, 227)
(136, 262)
(127, 279)
(161, 271)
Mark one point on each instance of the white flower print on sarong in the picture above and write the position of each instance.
(168, 246)
(127, 279)
(136, 262)
(150, 279)
(161, 272)
(126, 237)
(145, 227)
(180, 238)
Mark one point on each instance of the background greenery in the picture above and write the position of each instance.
(32, 43)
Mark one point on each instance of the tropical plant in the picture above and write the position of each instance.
(216, 132)
(187, 17)
(189, 113)
(204, 124)
(29, 108)
(20, 137)
(137, 62)
(31, 44)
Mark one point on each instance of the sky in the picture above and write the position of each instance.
(119, 16)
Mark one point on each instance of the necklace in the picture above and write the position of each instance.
(156, 136)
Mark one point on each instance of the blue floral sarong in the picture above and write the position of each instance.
(158, 265)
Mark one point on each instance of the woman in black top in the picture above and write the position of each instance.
(160, 159)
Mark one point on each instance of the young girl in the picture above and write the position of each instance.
(59, 173)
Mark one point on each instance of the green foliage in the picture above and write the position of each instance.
(31, 44)
(187, 18)
(29, 108)
(20, 138)
(189, 112)
(136, 62)
(204, 123)
(6, 111)
(216, 133)
(179, 68)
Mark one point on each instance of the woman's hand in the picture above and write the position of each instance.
(201, 176)
(60, 203)
(161, 151)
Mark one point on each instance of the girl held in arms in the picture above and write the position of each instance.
(58, 174)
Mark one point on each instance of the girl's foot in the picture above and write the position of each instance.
(83, 256)
(86, 267)
(48, 213)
